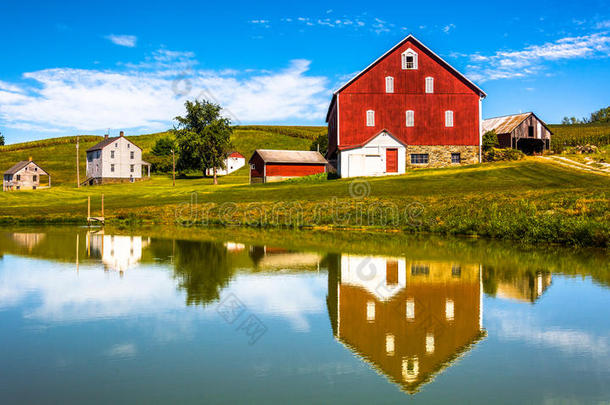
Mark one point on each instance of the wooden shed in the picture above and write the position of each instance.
(525, 132)
(24, 175)
(276, 165)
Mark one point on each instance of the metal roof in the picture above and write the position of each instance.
(101, 145)
(290, 156)
(20, 165)
(505, 124)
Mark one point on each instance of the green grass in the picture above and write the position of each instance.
(565, 136)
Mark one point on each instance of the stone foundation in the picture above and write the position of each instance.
(111, 180)
(440, 155)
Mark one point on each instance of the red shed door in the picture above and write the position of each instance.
(391, 160)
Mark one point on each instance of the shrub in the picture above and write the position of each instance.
(490, 140)
(314, 178)
(320, 142)
(497, 155)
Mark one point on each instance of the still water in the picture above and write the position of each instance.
(225, 317)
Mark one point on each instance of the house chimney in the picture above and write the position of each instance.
(30, 158)
(122, 134)
(106, 136)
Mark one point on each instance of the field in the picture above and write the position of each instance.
(527, 201)
(565, 136)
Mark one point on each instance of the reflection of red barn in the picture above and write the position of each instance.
(411, 325)
(277, 165)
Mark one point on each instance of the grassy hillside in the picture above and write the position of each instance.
(572, 135)
(58, 155)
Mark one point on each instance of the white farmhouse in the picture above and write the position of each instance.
(233, 162)
(115, 160)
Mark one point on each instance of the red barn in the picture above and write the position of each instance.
(409, 108)
(277, 165)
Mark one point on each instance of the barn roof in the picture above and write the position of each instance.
(507, 123)
(107, 141)
(290, 156)
(235, 154)
(20, 165)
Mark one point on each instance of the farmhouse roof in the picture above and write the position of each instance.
(20, 165)
(507, 123)
(290, 156)
(235, 154)
(107, 141)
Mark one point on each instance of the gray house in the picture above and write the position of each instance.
(24, 175)
(115, 160)
(525, 132)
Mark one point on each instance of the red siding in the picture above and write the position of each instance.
(258, 170)
(451, 92)
(275, 169)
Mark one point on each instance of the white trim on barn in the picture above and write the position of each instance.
(370, 159)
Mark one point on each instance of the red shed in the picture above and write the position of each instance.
(418, 103)
(276, 165)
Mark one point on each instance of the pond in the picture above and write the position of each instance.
(224, 316)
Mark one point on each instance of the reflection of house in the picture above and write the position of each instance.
(28, 240)
(270, 258)
(527, 288)
(408, 319)
(117, 252)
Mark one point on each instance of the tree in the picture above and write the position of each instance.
(163, 146)
(490, 140)
(1, 139)
(601, 115)
(203, 137)
(320, 142)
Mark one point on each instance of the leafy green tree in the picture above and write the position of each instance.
(163, 146)
(1, 139)
(490, 140)
(320, 142)
(203, 137)
(601, 115)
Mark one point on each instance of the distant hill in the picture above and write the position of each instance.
(58, 155)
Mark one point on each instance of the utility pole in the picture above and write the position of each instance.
(77, 166)
(173, 169)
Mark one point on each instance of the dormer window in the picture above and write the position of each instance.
(409, 59)
(389, 84)
(370, 118)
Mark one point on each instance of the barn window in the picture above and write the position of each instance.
(418, 159)
(18, 177)
(530, 131)
(420, 269)
(448, 118)
(34, 178)
(389, 84)
(370, 118)
(370, 311)
(409, 60)
(429, 84)
(410, 309)
(410, 118)
(456, 158)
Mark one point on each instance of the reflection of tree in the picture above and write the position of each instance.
(203, 270)
(523, 284)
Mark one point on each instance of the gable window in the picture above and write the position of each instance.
(131, 154)
(112, 167)
(430, 85)
(456, 158)
(370, 118)
(409, 59)
(116, 145)
(111, 154)
(448, 118)
(419, 158)
(128, 146)
(530, 131)
(410, 118)
(389, 84)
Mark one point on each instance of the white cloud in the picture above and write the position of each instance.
(531, 60)
(146, 96)
(123, 40)
(603, 24)
(448, 28)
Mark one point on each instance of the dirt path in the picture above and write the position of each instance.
(563, 161)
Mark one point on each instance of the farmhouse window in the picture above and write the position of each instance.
(112, 167)
(370, 118)
(116, 145)
(34, 178)
(456, 158)
(131, 155)
(448, 118)
(410, 311)
(131, 168)
(419, 158)
(409, 60)
(429, 84)
(530, 131)
(410, 118)
(111, 154)
(128, 146)
(389, 84)
(18, 177)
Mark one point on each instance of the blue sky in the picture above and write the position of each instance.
(86, 67)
